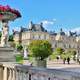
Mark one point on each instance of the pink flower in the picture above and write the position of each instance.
(8, 9)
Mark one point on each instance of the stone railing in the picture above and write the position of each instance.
(10, 71)
(7, 71)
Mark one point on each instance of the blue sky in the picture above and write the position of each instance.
(54, 14)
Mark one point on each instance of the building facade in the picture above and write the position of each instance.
(33, 32)
(38, 32)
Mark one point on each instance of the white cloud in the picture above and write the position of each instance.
(76, 30)
(17, 29)
(54, 19)
(48, 22)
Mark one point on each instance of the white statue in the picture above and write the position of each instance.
(25, 53)
(5, 34)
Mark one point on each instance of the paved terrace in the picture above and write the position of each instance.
(58, 64)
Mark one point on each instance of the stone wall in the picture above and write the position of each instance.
(34, 73)
(22, 72)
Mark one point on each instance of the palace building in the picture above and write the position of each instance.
(38, 32)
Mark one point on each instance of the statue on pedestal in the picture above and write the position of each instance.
(7, 14)
(5, 34)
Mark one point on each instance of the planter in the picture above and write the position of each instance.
(40, 63)
(19, 58)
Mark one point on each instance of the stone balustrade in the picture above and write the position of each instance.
(12, 71)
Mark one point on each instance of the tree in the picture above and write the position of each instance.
(0, 35)
(74, 55)
(40, 49)
(11, 38)
(59, 51)
(54, 55)
(19, 47)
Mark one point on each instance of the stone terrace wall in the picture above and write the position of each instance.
(34, 73)
(11, 71)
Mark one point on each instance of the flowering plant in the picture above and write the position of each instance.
(6, 10)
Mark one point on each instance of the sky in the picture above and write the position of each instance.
(54, 14)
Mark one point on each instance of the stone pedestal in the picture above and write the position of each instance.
(7, 54)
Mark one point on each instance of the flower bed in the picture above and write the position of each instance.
(6, 10)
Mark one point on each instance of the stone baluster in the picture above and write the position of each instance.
(1, 72)
(10, 74)
(17, 75)
(5, 76)
(29, 76)
(13, 77)
(25, 76)
(21, 75)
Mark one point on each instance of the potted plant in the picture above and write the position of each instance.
(40, 50)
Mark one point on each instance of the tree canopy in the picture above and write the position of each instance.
(59, 50)
(10, 38)
(19, 47)
(40, 49)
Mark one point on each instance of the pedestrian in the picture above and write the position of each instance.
(64, 60)
(31, 64)
(78, 61)
(57, 58)
(68, 60)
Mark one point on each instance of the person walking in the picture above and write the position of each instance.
(64, 60)
(68, 60)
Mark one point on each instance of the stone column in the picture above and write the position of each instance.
(5, 76)
(5, 33)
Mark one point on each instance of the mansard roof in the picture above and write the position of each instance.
(23, 29)
(15, 32)
(52, 33)
(61, 32)
(72, 34)
(36, 27)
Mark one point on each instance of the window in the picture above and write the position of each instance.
(44, 36)
(64, 46)
(77, 46)
(39, 36)
(69, 46)
(55, 45)
(33, 37)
